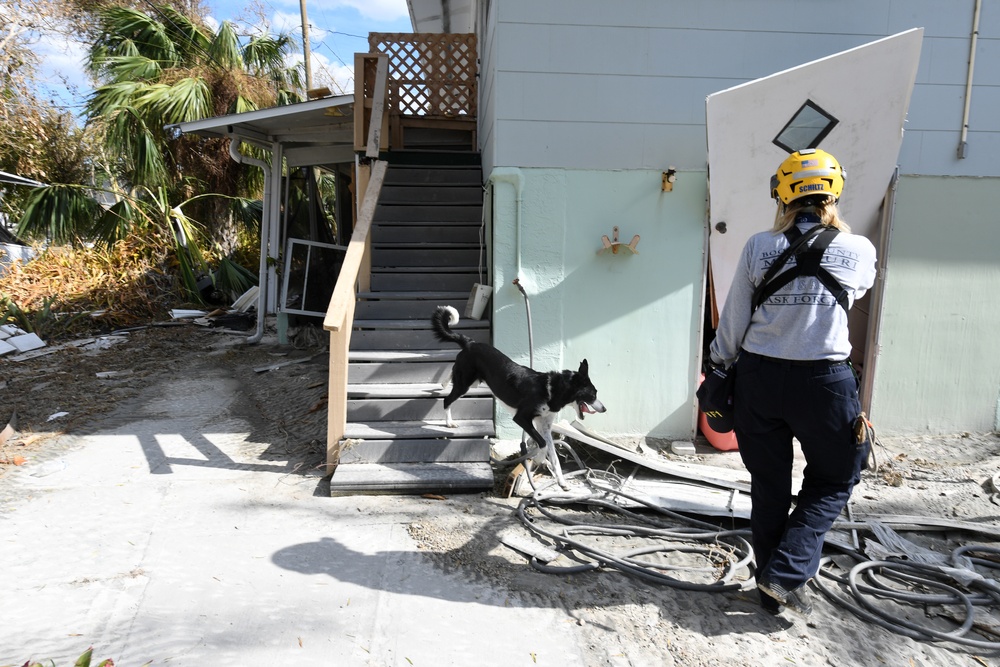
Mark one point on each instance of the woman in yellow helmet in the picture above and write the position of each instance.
(788, 329)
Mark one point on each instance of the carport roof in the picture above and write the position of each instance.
(439, 16)
(316, 132)
(14, 179)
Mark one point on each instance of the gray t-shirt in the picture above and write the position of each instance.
(802, 320)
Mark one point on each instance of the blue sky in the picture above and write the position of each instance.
(338, 29)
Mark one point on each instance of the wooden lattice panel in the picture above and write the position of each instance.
(430, 74)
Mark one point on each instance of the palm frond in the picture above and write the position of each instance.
(121, 26)
(61, 213)
(188, 37)
(248, 213)
(127, 32)
(186, 99)
(242, 104)
(288, 97)
(133, 68)
(233, 278)
(118, 222)
(224, 48)
(265, 54)
(100, 56)
(129, 136)
(112, 97)
(192, 263)
(148, 160)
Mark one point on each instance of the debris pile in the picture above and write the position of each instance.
(14, 339)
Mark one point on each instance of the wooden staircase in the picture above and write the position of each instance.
(426, 251)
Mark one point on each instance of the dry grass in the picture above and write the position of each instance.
(67, 291)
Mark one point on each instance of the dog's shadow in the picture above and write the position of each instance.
(483, 571)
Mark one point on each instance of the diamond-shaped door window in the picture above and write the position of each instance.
(807, 128)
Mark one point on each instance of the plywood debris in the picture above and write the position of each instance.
(712, 476)
(14, 339)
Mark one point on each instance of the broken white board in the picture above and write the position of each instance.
(8, 330)
(184, 313)
(248, 299)
(690, 498)
(866, 89)
(719, 477)
(26, 342)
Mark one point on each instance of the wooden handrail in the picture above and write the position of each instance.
(371, 94)
(378, 108)
(343, 292)
(340, 313)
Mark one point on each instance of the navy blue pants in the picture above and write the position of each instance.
(817, 404)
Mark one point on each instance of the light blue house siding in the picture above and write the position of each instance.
(939, 367)
(584, 103)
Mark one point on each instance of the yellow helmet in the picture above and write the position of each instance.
(809, 171)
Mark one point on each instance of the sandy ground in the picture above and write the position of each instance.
(621, 620)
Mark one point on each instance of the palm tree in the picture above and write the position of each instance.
(155, 69)
(162, 68)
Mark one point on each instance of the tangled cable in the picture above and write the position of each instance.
(893, 571)
(953, 583)
(728, 552)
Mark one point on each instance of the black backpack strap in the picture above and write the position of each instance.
(835, 288)
(807, 263)
(796, 240)
(811, 263)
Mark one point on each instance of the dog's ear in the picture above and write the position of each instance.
(584, 368)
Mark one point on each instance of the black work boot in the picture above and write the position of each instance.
(794, 599)
(769, 604)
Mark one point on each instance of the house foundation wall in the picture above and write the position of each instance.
(633, 316)
(938, 370)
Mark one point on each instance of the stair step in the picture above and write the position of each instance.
(408, 339)
(423, 246)
(372, 411)
(451, 269)
(466, 428)
(410, 478)
(408, 390)
(398, 281)
(426, 248)
(430, 195)
(425, 259)
(422, 232)
(442, 450)
(403, 156)
(398, 372)
(386, 356)
(423, 175)
(437, 214)
(399, 309)
(389, 295)
(416, 324)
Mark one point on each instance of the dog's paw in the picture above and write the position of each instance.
(451, 424)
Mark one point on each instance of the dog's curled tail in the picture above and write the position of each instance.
(441, 322)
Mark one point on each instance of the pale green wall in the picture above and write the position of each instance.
(635, 318)
(938, 369)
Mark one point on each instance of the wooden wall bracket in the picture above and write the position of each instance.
(613, 244)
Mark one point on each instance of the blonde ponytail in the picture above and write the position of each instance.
(826, 209)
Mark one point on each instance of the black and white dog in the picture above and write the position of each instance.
(535, 398)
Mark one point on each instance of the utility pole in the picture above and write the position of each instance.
(305, 47)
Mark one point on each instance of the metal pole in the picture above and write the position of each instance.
(962, 142)
(305, 46)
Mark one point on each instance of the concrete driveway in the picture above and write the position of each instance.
(162, 534)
